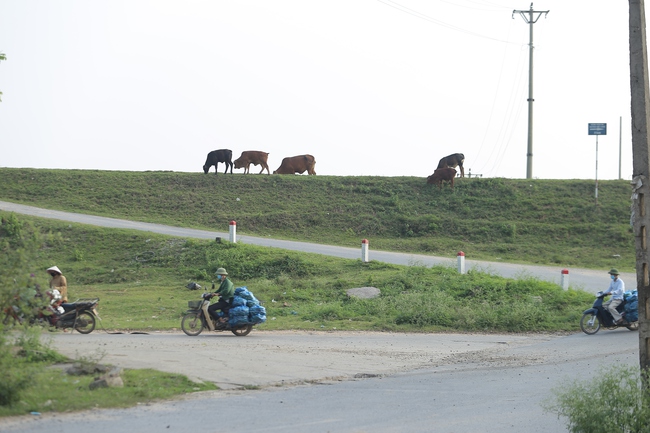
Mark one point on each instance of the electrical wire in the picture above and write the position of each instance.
(513, 109)
(420, 15)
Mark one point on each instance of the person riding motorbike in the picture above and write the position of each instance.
(58, 282)
(226, 293)
(616, 289)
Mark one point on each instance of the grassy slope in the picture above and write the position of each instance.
(140, 278)
(536, 221)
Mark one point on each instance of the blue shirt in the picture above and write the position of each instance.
(616, 288)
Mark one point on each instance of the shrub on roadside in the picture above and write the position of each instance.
(614, 401)
(16, 373)
(20, 361)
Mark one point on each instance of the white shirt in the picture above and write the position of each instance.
(616, 288)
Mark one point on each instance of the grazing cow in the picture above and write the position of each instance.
(217, 156)
(441, 175)
(453, 161)
(254, 157)
(297, 164)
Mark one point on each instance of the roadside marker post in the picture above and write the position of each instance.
(233, 231)
(461, 262)
(364, 251)
(564, 281)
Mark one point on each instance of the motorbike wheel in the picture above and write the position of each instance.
(192, 324)
(243, 331)
(85, 323)
(589, 324)
(634, 326)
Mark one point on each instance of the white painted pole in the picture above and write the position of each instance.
(233, 231)
(565, 279)
(461, 262)
(364, 251)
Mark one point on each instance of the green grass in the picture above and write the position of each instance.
(140, 277)
(53, 390)
(35, 380)
(551, 222)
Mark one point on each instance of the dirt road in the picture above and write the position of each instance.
(266, 358)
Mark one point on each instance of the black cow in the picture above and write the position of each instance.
(217, 156)
(453, 161)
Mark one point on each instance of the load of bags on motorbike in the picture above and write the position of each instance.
(245, 309)
(631, 306)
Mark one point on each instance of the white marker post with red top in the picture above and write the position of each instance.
(364, 251)
(564, 281)
(233, 231)
(461, 262)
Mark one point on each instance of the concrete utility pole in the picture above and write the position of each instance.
(640, 104)
(531, 17)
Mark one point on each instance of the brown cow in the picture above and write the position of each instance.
(441, 175)
(254, 157)
(297, 164)
(453, 161)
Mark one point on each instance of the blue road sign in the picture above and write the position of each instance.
(597, 129)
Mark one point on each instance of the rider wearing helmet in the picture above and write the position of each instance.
(226, 293)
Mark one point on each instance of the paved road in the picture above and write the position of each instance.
(585, 279)
(451, 383)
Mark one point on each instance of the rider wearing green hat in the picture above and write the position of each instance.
(616, 289)
(226, 292)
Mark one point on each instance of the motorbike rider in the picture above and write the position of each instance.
(226, 293)
(616, 289)
(58, 282)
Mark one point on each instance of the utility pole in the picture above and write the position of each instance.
(530, 16)
(640, 104)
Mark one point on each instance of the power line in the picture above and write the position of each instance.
(420, 15)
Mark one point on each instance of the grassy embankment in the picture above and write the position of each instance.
(551, 222)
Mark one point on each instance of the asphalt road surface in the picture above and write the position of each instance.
(585, 279)
(308, 382)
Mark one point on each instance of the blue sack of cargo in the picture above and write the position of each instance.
(632, 310)
(257, 314)
(631, 296)
(243, 292)
(241, 310)
(238, 301)
(238, 315)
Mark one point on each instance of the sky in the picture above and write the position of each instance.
(369, 87)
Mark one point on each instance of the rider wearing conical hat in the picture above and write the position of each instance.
(58, 282)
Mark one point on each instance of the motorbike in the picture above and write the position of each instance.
(197, 318)
(597, 316)
(80, 315)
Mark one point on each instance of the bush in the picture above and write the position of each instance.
(613, 402)
(16, 373)
(20, 362)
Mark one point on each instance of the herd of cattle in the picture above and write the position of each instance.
(290, 165)
(445, 172)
